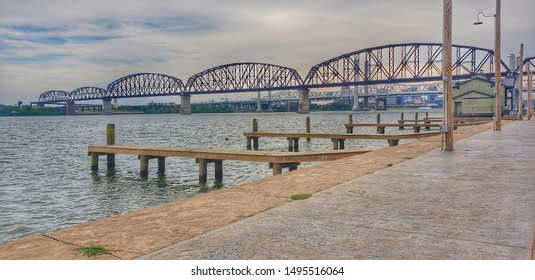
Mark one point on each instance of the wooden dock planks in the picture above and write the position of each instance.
(276, 160)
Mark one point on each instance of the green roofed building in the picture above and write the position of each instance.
(475, 97)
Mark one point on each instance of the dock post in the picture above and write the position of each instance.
(380, 129)
(203, 168)
(349, 129)
(255, 139)
(393, 142)
(255, 143)
(277, 168)
(416, 117)
(255, 125)
(110, 140)
(402, 120)
(161, 165)
(296, 144)
(248, 143)
(94, 162)
(144, 166)
(335, 143)
(290, 144)
(308, 126)
(341, 145)
(218, 164)
(416, 128)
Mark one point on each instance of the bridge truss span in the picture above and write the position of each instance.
(144, 84)
(242, 77)
(87, 93)
(53, 96)
(400, 63)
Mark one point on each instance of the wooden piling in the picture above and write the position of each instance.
(218, 165)
(144, 166)
(110, 140)
(255, 125)
(335, 143)
(393, 142)
(203, 170)
(402, 120)
(255, 143)
(248, 143)
(94, 162)
(161, 165)
(110, 134)
(290, 145)
(255, 139)
(380, 129)
(341, 144)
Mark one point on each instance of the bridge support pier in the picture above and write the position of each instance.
(185, 104)
(106, 107)
(71, 108)
(365, 104)
(304, 103)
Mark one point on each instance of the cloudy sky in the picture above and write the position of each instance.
(66, 44)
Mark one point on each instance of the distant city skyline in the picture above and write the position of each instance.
(65, 44)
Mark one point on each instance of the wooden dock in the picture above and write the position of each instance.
(409, 123)
(337, 139)
(277, 160)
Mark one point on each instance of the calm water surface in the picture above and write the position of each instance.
(45, 177)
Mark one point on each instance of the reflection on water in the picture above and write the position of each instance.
(46, 182)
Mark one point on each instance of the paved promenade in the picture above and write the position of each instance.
(409, 201)
(477, 202)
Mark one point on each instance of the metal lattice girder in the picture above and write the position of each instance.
(54, 96)
(144, 84)
(530, 61)
(400, 63)
(87, 93)
(240, 77)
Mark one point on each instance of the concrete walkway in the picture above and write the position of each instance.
(477, 202)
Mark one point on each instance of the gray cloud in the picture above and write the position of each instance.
(67, 44)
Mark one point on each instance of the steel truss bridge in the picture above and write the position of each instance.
(383, 65)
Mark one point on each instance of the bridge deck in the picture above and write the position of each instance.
(276, 160)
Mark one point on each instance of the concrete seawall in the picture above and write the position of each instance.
(180, 223)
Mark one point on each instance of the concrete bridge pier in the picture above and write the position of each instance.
(71, 108)
(106, 107)
(185, 104)
(365, 104)
(380, 103)
(304, 103)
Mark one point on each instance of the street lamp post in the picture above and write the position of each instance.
(447, 127)
(497, 65)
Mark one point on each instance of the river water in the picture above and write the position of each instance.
(45, 177)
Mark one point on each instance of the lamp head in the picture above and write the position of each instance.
(478, 22)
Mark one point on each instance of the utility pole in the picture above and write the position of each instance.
(497, 64)
(447, 127)
(520, 82)
(530, 92)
